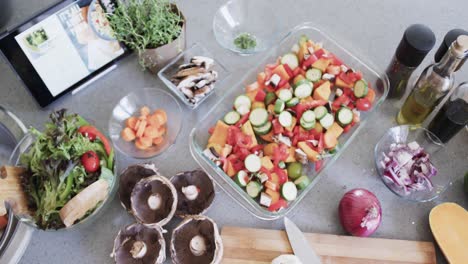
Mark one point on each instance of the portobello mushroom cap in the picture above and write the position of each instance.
(154, 201)
(129, 177)
(196, 240)
(139, 244)
(195, 192)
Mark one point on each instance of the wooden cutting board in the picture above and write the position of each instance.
(255, 246)
(10, 189)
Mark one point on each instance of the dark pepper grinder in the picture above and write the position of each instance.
(449, 38)
(417, 41)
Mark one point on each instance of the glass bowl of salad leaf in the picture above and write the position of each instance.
(246, 27)
(67, 172)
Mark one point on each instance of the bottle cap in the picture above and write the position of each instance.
(449, 38)
(461, 46)
(417, 41)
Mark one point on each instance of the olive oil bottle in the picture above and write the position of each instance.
(433, 85)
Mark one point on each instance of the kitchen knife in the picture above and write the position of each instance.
(299, 244)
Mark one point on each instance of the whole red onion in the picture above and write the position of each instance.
(360, 212)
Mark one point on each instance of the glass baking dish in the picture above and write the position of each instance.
(199, 135)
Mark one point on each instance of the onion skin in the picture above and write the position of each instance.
(360, 212)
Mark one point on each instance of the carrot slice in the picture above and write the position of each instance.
(162, 116)
(146, 141)
(144, 111)
(151, 131)
(141, 128)
(128, 134)
(153, 120)
(131, 122)
(140, 145)
(158, 140)
(161, 131)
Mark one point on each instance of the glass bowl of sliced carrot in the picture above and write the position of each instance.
(145, 123)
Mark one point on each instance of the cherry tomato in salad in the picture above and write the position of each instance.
(3, 221)
(363, 104)
(90, 161)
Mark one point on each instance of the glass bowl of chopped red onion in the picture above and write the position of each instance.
(413, 163)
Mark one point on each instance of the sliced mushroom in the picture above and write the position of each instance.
(130, 176)
(154, 200)
(138, 244)
(195, 192)
(196, 240)
(195, 79)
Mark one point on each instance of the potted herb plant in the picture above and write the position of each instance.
(155, 29)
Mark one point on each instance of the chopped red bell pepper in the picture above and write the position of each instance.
(282, 83)
(313, 133)
(281, 154)
(237, 162)
(319, 53)
(281, 203)
(232, 135)
(342, 100)
(260, 97)
(282, 176)
(312, 58)
(243, 119)
(211, 130)
(351, 105)
(363, 104)
(320, 144)
(347, 91)
(241, 152)
(345, 78)
(318, 165)
(347, 128)
(296, 71)
(266, 171)
(288, 70)
(295, 140)
(258, 147)
(288, 133)
(336, 61)
(277, 127)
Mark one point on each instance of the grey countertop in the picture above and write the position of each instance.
(372, 28)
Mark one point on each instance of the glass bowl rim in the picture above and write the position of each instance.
(274, 40)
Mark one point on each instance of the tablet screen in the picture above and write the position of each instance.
(69, 45)
(62, 48)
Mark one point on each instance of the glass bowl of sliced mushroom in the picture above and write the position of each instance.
(193, 75)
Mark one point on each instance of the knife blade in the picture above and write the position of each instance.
(299, 244)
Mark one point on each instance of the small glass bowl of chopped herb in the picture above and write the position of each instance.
(246, 27)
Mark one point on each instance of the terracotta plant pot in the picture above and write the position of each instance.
(155, 59)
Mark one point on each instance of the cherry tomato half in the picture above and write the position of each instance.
(363, 104)
(90, 161)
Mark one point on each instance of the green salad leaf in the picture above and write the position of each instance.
(55, 174)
